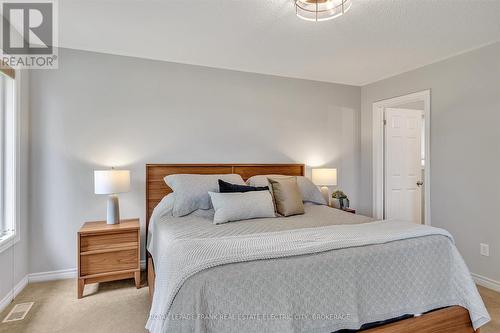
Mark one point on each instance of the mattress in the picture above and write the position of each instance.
(323, 291)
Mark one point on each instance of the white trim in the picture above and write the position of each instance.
(52, 275)
(13, 293)
(16, 187)
(378, 162)
(378, 149)
(61, 274)
(483, 281)
(9, 241)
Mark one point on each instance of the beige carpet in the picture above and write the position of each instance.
(112, 307)
(117, 307)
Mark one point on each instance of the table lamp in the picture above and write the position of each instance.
(325, 177)
(112, 182)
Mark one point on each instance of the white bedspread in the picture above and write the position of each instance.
(264, 275)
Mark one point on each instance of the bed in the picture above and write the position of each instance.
(307, 283)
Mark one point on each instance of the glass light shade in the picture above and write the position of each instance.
(321, 10)
(111, 181)
(324, 177)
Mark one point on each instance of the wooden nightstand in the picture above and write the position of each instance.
(108, 252)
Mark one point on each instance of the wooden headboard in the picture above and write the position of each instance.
(156, 188)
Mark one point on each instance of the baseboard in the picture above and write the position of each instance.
(483, 281)
(53, 275)
(61, 274)
(13, 293)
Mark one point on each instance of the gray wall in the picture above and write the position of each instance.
(14, 260)
(465, 148)
(100, 110)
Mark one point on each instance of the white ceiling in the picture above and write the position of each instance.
(374, 40)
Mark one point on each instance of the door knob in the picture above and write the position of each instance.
(420, 183)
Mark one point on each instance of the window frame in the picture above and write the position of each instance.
(14, 236)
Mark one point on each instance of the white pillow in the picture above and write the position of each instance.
(241, 206)
(191, 191)
(309, 191)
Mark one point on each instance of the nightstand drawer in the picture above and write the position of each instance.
(109, 241)
(108, 262)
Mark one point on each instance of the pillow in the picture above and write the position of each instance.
(309, 191)
(191, 191)
(241, 206)
(287, 196)
(225, 187)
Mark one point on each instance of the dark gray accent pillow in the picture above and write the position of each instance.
(225, 187)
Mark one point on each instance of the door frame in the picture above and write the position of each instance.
(378, 183)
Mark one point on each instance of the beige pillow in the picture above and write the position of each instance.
(287, 197)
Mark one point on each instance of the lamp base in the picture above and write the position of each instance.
(113, 216)
(326, 194)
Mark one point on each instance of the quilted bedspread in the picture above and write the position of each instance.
(321, 272)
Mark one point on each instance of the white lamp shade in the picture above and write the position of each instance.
(324, 177)
(111, 181)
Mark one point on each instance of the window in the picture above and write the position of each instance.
(9, 229)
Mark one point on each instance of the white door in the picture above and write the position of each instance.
(403, 172)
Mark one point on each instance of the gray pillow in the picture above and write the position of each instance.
(191, 191)
(309, 191)
(238, 206)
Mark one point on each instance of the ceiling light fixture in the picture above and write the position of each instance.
(321, 10)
